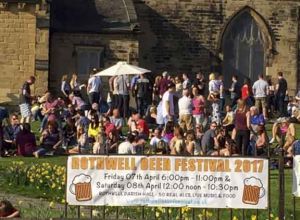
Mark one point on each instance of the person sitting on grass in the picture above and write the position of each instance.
(141, 125)
(50, 141)
(7, 210)
(112, 142)
(156, 138)
(168, 132)
(177, 144)
(209, 140)
(117, 120)
(261, 141)
(284, 132)
(94, 128)
(127, 146)
(10, 132)
(230, 148)
(83, 142)
(69, 133)
(25, 141)
(191, 143)
(256, 119)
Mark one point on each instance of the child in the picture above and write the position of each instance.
(7, 210)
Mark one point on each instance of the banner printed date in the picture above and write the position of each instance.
(255, 166)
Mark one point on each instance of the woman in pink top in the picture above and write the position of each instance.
(198, 106)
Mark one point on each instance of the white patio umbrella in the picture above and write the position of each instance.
(122, 68)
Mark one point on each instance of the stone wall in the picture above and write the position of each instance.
(63, 53)
(19, 49)
(42, 50)
(185, 35)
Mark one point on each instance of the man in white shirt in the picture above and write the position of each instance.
(93, 89)
(185, 111)
(127, 146)
(260, 92)
(168, 103)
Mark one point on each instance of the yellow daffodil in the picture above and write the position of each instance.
(52, 205)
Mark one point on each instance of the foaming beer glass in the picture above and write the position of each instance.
(81, 187)
(253, 191)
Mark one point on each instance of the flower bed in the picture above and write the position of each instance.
(45, 178)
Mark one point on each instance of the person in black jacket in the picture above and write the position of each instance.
(280, 94)
(143, 94)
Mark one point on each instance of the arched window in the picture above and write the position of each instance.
(244, 47)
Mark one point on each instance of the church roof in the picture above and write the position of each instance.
(93, 16)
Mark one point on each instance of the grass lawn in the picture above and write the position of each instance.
(27, 191)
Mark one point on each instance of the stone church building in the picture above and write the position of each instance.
(49, 38)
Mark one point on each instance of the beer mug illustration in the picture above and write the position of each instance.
(81, 187)
(253, 191)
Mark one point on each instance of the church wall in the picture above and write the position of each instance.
(185, 35)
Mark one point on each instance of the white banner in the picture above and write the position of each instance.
(296, 176)
(208, 182)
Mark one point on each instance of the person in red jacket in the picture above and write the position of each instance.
(141, 125)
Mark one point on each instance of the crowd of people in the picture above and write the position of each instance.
(168, 115)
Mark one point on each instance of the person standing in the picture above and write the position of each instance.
(242, 127)
(93, 89)
(198, 107)
(186, 84)
(213, 85)
(200, 82)
(185, 106)
(260, 91)
(222, 92)
(168, 103)
(155, 92)
(133, 90)
(65, 87)
(114, 93)
(25, 100)
(163, 84)
(247, 92)
(75, 85)
(280, 94)
(234, 91)
(142, 91)
(122, 83)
